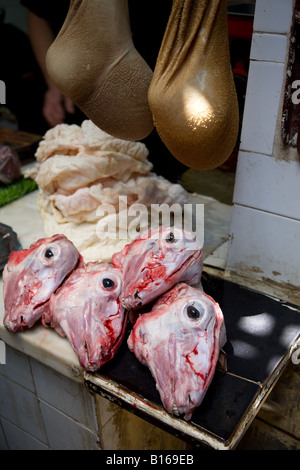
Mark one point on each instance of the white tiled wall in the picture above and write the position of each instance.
(14, 438)
(261, 106)
(265, 228)
(41, 409)
(269, 47)
(273, 16)
(263, 243)
(267, 184)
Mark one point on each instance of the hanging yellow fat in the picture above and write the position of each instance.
(192, 94)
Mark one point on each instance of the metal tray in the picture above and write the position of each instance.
(262, 334)
(8, 242)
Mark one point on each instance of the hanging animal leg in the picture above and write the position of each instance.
(192, 94)
(93, 61)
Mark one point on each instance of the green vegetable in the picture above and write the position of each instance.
(16, 189)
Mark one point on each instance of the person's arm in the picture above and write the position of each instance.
(41, 37)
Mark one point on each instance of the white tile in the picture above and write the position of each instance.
(218, 258)
(66, 434)
(17, 439)
(17, 368)
(269, 47)
(263, 94)
(264, 245)
(268, 184)
(65, 394)
(273, 16)
(20, 406)
(3, 442)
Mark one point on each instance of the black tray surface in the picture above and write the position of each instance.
(260, 332)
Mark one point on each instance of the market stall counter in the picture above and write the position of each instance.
(262, 337)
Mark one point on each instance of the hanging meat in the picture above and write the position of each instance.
(10, 165)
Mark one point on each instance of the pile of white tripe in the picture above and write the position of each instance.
(79, 169)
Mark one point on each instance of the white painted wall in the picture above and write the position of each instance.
(265, 227)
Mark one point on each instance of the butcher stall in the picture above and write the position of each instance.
(251, 262)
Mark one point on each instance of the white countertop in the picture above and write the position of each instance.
(44, 344)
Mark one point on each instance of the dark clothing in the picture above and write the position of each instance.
(148, 21)
(53, 11)
(23, 79)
